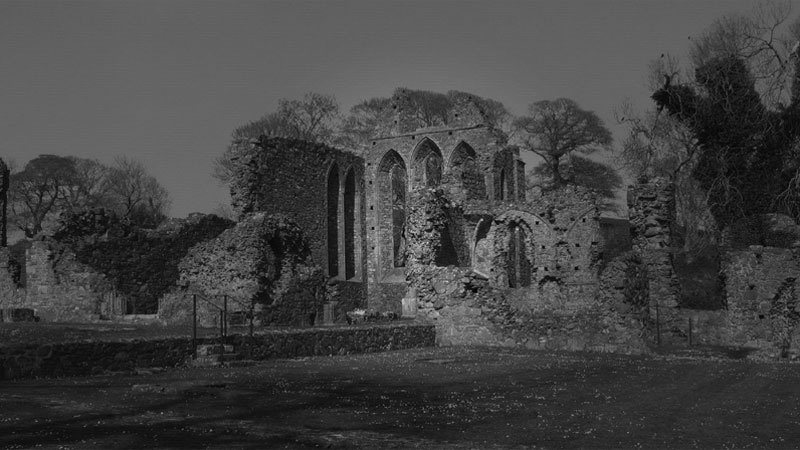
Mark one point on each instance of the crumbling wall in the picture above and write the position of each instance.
(263, 262)
(759, 284)
(476, 313)
(12, 295)
(760, 292)
(293, 177)
(651, 207)
(550, 300)
(561, 248)
(97, 266)
(467, 155)
(61, 288)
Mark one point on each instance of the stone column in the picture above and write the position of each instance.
(651, 207)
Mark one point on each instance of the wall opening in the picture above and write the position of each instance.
(333, 221)
(518, 263)
(350, 225)
(398, 216)
(501, 188)
(447, 254)
(391, 199)
(482, 248)
(426, 164)
(465, 170)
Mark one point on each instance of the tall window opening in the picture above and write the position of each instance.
(333, 221)
(350, 225)
(427, 164)
(392, 183)
(465, 170)
(518, 266)
(501, 194)
(399, 216)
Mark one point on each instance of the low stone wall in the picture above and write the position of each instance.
(88, 358)
(470, 312)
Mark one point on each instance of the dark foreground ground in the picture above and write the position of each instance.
(451, 398)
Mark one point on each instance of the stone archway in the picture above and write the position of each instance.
(520, 252)
(464, 170)
(426, 164)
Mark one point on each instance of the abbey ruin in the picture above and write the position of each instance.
(429, 224)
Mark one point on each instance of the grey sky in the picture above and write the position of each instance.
(167, 81)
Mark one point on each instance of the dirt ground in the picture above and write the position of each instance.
(435, 398)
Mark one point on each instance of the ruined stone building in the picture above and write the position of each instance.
(406, 216)
(357, 211)
(431, 223)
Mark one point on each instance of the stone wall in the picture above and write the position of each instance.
(11, 294)
(535, 278)
(462, 162)
(264, 262)
(97, 267)
(88, 358)
(61, 288)
(556, 238)
(761, 308)
(475, 313)
(756, 280)
(294, 178)
(651, 209)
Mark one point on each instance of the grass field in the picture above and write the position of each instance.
(435, 398)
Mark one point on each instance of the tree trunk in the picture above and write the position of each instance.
(554, 166)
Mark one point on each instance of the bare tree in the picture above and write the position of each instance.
(314, 118)
(136, 194)
(763, 39)
(366, 120)
(38, 191)
(681, 145)
(556, 128)
(90, 188)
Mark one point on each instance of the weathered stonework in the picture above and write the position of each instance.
(96, 267)
(263, 265)
(760, 287)
(91, 358)
(651, 209)
(760, 266)
(307, 181)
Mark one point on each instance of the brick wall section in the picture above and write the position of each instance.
(88, 358)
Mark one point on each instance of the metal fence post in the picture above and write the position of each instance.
(658, 327)
(194, 326)
(221, 327)
(251, 318)
(225, 315)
